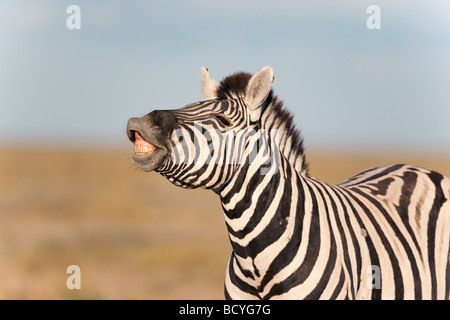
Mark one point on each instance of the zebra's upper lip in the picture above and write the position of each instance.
(136, 133)
(136, 136)
(144, 145)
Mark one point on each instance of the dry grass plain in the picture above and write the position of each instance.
(133, 234)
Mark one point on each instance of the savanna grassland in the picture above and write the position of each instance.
(133, 234)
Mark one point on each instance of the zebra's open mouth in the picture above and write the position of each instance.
(150, 139)
(142, 147)
(146, 155)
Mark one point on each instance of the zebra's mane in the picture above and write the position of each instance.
(274, 116)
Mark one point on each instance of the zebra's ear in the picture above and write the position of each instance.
(208, 85)
(258, 89)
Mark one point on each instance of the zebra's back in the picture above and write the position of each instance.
(404, 215)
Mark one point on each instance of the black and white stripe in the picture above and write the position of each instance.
(382, 234)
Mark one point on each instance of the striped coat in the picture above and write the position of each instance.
(382, 234)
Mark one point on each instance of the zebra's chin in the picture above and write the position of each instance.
(150, 162)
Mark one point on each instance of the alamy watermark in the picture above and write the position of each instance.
(73, 22)
(214, 146)
(74, 280)
(373, 22)
(374, 280)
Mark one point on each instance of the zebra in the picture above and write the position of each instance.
(382, 234)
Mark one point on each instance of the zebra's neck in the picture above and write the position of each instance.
(264, 201)
(262, 212)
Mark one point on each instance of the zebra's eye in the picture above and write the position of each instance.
(223, 120)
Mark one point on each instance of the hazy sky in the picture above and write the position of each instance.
(348, 86)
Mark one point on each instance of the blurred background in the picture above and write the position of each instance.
(69, 191)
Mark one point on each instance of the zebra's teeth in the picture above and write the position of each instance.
(143, 150)
(142, 147)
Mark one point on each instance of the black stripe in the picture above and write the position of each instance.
(409, 184)
(382, 186)
(227, 295)
(351, 181)
(382, 173)
(439, 200)
(339, 286)
(193, 109)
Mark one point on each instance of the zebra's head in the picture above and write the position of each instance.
(203, 143)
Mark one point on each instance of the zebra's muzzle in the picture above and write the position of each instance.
(149, 145)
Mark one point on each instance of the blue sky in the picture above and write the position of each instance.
(349, 87)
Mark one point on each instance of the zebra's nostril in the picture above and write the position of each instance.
(132, 135)
(132, 126)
